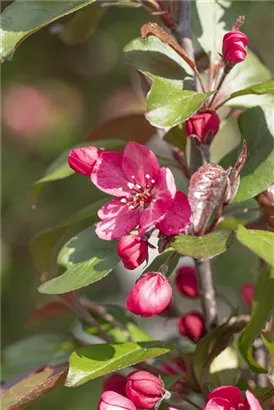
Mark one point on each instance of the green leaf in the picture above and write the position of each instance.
(31, 388)
(152, 56)
(82, 24)
(94, 361)
(126, 322)
(264, 291)
(268, 339)
(161, 259)
(257, 128)
(258, 89)
(23, 18)
(206, 246)
(85, 259)
(177, 137)
(34, 352)
(169, 105)
(60, 169)
(259, 242)
(44, 244)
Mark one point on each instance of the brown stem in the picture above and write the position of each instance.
(222, 79)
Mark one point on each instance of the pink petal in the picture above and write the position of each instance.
(218, 404)
(111, 400)
(251, 402)
(83, 159)
(230, 393)
(108, 174)
(139, 161)
(177, 217)
(118, 220)
(165, 190)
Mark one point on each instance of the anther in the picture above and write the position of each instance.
(123, 200)
(138, 186)
(131, 206)
(147, 176)
(153, 181)
(120, 189)
(130, 185)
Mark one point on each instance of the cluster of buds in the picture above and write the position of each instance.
(141, 389)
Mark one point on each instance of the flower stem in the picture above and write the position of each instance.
(222, 79)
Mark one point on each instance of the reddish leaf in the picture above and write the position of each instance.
(131, 127)
(31, 388)
(49, 309)
(235, 173)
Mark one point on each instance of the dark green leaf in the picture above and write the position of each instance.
(31, 388)
(169, 105)
(152, 56)
(259, 89)
(60, 169)
(82, 24)
(127, 327)
(85, 259)
(177, 137)
(34, 352)
(161, 259)
(44, 244)
(259, 242)
(268, 339)
(257, 128)
(23, 18)
(264, 291)
(205, 246)
(94, 361)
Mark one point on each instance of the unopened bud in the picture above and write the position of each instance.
(83, 159)
(203, 125)
(247, 291)
(192, 326)
(234, 48)
(133, 251)
(110, 400)
(116, 383)
(186, 281)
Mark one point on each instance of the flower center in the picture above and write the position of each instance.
(140, 195)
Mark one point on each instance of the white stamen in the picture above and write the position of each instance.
(123, 200)
(137, 194)
(120, 189)
(130, 185)
(147, 176)
(153, 181)
(138, 186)
(133, 177)
(131, 207)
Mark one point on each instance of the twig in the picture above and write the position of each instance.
(222, 79)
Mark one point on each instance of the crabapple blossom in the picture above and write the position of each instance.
(186, 281)
(192, 326)
(230, 398)
(111, 400)
(178, 217)
(204, 125)
(234, 47)
(116, 383)
(83, 159)
(133, 250)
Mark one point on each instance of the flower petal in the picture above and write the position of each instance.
(139, 161)
(108, 174)
(230, 393)
(164, 193)
(251, 402)
(177, 218)
(218, 404)
(117, 220)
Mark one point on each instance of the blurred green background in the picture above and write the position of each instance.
(53, 94)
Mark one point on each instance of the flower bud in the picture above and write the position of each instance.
(145, 389)
(192, 326)
(133, 251)
(111, 400)
(247, 291)
(83, 159)
(116, 383)
(186, 281)
(266, 201)
(150, 295)
(234, 47)
(204, 125)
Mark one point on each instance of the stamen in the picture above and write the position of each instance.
(153, 181)
(138, 186)
(131, 207)
(123, 200)
(120, 189)
(133, 177)
(147, 176)
(130, 185)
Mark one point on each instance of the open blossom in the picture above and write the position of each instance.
(144, 389)
(247, 291)
(234, 47)
(150, 295)
(116, 383)
(186, 281)
(178, 217)
(230, 398)
(83, 159)
(133, 250)
(111, 400)
(144, 192)
(204, 125)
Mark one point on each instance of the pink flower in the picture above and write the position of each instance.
(234, 47)
(111, 400)
(133, 250)
(204, 125)
(83, 159)
(150, 295)
(116, 383)
(192, 326)
(247, 291)
(145, 389)
(178, 217)
(186, 281)
(144, 191)
(229, 397)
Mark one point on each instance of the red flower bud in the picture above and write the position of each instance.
(234, 47)
(192, 326)
(186, 281)
(133, 251)
(116, 383)
(150, 295)
(204, 125)
(145, 389)
(83, 159)
(247, 291)
(110, 400)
